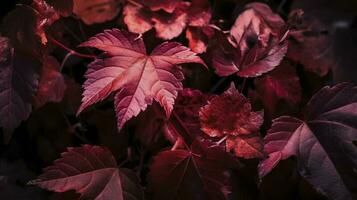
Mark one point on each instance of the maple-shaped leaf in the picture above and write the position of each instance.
(256, 43)
(91, 171)
(322, 142)
(136, 77)
(279, 85)
(18, 84)
(52, 85)
(230, 115)
(202, 173)
(96, 11)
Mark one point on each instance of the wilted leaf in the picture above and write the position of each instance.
(322, 143)
(91, 171)
(137, 77)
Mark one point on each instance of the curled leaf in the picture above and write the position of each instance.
(256, 44)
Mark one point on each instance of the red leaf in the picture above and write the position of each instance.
(96, 11)
(202, 173)
(198, 37)
(91, 171)
(246, 146)
(169, 18)
(280, 85)
(322, 143)
(139, 78)
(52, 84)
(46, 15)
(18, 83)
(229, 114)
(256, 43)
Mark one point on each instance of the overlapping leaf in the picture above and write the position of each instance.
(256, 44)
(311, 45)
(91, 171)
(52, 85)
(96, 11)
(168, 18)
(281, 85)
(137, 78)
(202, 173)
(322, 142)
(18, 84)
(230, 115)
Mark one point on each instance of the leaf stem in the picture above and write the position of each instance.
(72, 52)
(243, 85)
(185, 136)
(222, 140)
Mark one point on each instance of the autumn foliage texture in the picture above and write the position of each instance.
(263, 101)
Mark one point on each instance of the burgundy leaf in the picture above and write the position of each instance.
(202, 173)
(229, 114)
(64, 7)
(280, 85)
(137, 78)
(18, 83)
(21, 27)
(322, 143)
(91, 171)
(52, 84)
(312, 47)
(256, 44)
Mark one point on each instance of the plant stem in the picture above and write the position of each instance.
(243, 85)
(72, 52)
(222, 140)
(185, 133)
